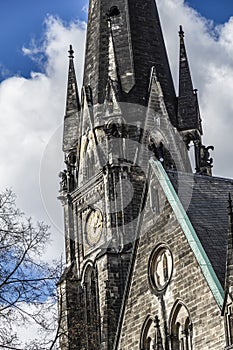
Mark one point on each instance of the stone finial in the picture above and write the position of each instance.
(71, 52)
(158, 341)
(181, 32)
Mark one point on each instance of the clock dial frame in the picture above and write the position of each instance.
(94, 227)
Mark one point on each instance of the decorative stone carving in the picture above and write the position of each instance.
(206, 163)
(63, 182)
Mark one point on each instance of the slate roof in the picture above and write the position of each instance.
(205, 200)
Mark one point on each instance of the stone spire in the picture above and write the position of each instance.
(73, 107)
(229, 262)
(72, 100)
(188, 108)
(119, 24)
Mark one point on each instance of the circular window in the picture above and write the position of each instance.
(160, 268)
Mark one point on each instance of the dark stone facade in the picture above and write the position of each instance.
(145, 238)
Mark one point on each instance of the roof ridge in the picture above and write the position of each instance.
(210, 178)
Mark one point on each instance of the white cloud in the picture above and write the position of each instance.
(31, 116)
(210, 51)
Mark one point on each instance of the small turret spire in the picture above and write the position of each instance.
(188, 109)
(73, 106)
(181, 32)
(72, 101)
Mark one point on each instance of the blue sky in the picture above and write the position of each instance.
(217, 10)
(23, 21)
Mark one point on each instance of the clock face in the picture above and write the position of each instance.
(94, 225)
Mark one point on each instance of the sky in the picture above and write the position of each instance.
(34, 39)
(24, 21)
(216, 10)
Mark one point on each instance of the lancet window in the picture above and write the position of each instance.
(181, 328)
(91, 307)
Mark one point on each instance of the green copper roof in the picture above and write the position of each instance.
(189, 232)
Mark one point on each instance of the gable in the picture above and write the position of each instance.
(189, 231)
(186, 279)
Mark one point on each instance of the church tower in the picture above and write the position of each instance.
(127, 111)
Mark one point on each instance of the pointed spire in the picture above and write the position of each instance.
(72, 101)
(120, 27)
(158, 341)
(229, 262)
(181, 32)
(188, 107)
(71, 122)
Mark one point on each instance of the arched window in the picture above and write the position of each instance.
(147, 334)
(181, 328)
(91, 307)
(151, 336)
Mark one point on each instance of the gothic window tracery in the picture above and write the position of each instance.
(181, 328)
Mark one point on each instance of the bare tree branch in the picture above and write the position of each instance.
(27, 283)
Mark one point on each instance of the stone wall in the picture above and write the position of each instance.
(187, 286)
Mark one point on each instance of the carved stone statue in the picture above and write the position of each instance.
(206, 162)
(63, 183)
